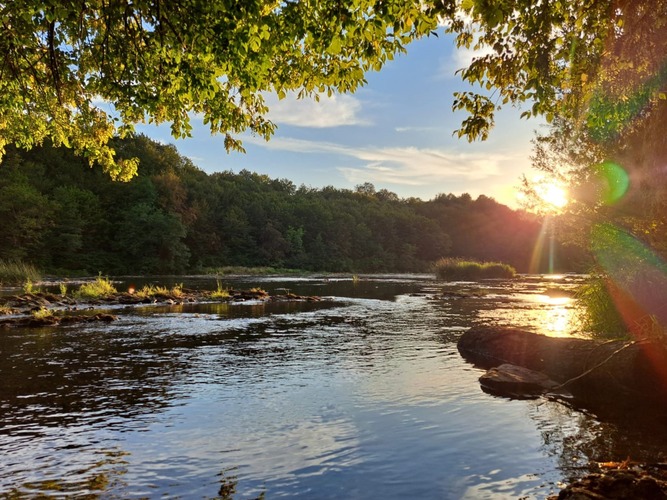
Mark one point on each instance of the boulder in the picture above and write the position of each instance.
(592, 370)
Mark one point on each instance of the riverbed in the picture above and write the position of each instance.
(360, 395)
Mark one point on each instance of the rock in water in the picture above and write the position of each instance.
(602, 374)
(516, 382)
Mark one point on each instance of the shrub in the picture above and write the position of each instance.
(15, 272)
(458, 269)
(101, 287)
(597, 314)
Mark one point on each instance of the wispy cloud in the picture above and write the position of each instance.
(335, 111)
(461, 58)
(416, 129)
(408, 166)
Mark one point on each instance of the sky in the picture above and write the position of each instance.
(395, 132)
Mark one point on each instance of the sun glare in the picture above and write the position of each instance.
(551, 193)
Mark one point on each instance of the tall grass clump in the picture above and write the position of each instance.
(148, 291)
(220, 293)
(453, 269)
(100, 288)
(14, 272)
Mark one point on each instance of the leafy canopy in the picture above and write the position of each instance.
(65, 61)
(597, 63)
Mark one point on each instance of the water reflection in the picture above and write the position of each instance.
(357, 396)
(545, 306)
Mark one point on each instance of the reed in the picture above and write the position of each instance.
(453, 269)
(14, 272)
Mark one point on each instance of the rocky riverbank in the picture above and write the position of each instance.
(40, 309)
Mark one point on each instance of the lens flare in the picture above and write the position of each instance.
(613, 182)
(637, 283)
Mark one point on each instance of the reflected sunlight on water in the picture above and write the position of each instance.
(545, 306)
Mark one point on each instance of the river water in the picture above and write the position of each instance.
(362, 395)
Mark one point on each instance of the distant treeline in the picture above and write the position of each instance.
(65, 217)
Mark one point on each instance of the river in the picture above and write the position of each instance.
(362, 395)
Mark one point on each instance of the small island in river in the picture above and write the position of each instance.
(39, 309)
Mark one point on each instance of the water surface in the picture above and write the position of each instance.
(361, 395)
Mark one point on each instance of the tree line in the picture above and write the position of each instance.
(173, 217)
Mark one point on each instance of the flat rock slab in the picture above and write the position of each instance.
(517, 382)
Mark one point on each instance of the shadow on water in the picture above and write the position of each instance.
(356, 396)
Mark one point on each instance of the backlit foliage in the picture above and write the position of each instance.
(79, 73)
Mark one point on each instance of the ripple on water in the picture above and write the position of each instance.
(361, 396)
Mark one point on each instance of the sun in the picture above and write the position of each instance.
(552, 194)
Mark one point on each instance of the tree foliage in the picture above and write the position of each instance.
(66, 63)
(597, 71)
(173, 217)
(598, 63)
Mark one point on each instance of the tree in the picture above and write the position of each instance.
(596, 71)
(546, 54)
(65, 62)
(596, 66)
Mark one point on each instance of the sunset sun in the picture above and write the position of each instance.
(551, 194)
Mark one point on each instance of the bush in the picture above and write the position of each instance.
(101, 287)
(458, 270)
(599, 317)
(15, 272)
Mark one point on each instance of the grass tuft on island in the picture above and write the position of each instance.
(98, 289)
(454, 269)
(15, 272)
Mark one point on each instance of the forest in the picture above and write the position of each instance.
(68, 219)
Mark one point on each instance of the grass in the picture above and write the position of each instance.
(41, 313)
(14, 272)
(100, 288)
(29, 287)
(220, 293)
(453, 269)
(148, 291)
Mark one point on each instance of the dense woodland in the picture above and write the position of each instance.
(65, 217)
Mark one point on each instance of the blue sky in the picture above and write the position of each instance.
(395, 132)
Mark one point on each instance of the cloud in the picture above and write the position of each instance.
(335, 111)
(409, 166)
(415, 129)
(461, 58)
